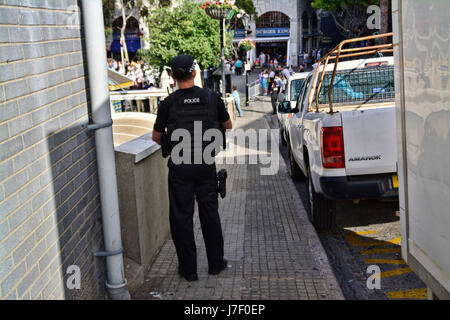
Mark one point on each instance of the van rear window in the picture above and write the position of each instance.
(359, 86)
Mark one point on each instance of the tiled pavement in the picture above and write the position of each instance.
(272, 250)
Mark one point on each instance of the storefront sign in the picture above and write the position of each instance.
(132, 39)
(239, 33)
(272, 32)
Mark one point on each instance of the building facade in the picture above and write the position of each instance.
(285, 28)
(50, 215)
(136, 29)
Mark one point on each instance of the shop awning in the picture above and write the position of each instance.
(262, 40)
(118, 81)
(133, 42)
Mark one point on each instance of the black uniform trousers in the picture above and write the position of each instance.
(185, 182)
(274, 100)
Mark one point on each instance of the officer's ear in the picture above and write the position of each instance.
(194, 74)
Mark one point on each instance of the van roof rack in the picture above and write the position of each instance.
(338, 52)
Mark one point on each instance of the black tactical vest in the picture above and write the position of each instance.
(188, 107)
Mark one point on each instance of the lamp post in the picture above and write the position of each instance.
(221, 14)
(245, 21)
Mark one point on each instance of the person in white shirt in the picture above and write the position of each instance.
(315, 64)
(306, 58)
(262, 59)
(272, 79)
(286, 73)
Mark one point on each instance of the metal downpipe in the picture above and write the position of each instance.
(92, 13)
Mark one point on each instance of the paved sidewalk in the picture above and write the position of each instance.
(272, 250)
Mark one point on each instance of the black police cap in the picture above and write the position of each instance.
(182, 65)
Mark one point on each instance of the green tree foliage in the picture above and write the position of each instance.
(185, 29)
(248, 6)
(350, 15)
(108, 13)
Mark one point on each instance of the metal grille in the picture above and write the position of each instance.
(254, 89)
(273, 19)
(359, 86)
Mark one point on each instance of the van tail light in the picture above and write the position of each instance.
(333, 148)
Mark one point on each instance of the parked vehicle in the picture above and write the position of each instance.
(423, 121)
(341, 136)
(292, 91)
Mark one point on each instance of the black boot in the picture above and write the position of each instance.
(220, 269)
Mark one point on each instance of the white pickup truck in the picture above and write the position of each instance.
(292, 91)
(346, 150)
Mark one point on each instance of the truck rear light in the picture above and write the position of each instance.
(377, 64)
(333, 148)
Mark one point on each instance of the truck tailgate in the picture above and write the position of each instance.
(370, 140)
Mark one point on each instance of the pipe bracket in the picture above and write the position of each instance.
(96, 126)
(108, 253)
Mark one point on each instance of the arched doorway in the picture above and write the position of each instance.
(273, 19)
(272, 36)
(305, 21)
(132, 37)
(315, 31)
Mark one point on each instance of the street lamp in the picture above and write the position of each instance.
(245, 21)
(221, 14)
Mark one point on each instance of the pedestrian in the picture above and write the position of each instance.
(284, 80)
(262, 59)
(301, 68)
(276, 89)
(237, 100)
(306, 58)
(278, 71)
(238, 67)
(315, 64)
(265, 81)
(271, 79)
(189, 180)
(286, 73)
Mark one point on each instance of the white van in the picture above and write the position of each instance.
(292, 91)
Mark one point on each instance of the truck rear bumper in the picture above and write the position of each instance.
(359, 187)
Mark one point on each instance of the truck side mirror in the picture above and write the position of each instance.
(284, 107)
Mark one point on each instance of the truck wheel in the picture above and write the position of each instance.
(321, 211)
(283, 140)
(296, 173)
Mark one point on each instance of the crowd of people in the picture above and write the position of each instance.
(143, 76)
(274, 76)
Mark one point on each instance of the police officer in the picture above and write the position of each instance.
(181, 110)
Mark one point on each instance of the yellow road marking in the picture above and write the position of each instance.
(408, 294)
(384, 261)
(395, 272)
(395, 240)
(395, 181)
(366, 232)
(378, 251)
(355, 241)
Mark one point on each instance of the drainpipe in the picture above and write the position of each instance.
(116, 283)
